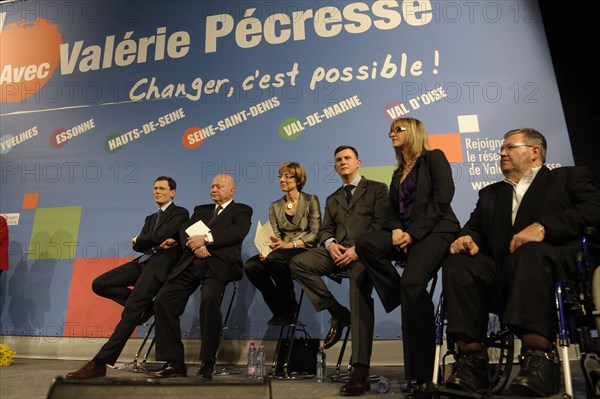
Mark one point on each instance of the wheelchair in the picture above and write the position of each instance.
(500, 346)
(578, 315)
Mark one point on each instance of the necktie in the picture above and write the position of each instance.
(158, 213)
(348, 190)
(146, 256)
(215, 213)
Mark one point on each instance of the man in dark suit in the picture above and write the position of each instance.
(523, 234)
(211, 259)
(357, 207)
(147, 273)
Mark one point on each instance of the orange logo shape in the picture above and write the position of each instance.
(30, 54)
(193, 137)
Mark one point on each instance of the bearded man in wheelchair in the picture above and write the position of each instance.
(522, 237)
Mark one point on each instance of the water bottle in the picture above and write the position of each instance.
(261, 360)
(383, 385)
(321, 365)
(252, 361)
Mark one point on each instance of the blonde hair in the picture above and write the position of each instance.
(417, 141)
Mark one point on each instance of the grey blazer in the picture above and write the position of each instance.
(366, 212)
(305, 224)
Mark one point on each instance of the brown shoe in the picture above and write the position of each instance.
(88, 370)
(358, 382)
(335, 331)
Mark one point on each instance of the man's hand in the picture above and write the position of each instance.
(532, 233)
(168, 243)
(464, 245)
(335, 250)
(341, 255)
(201, 252)
(195, 242)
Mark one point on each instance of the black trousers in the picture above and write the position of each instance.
(170, 303)
(521, 290)
(273, 279)
(114, 285)
(422, 262)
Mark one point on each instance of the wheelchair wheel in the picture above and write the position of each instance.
(500, 345)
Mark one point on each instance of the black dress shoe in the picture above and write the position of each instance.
(470, 373)
(206, 370)
(170, 369)
(358, 382)
(539, 375)
(335, 331)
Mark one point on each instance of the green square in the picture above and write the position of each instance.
(382, 174)
(55, 232)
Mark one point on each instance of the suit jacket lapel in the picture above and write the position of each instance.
(340, 197)
(502, 217)
(530, 207)
(300, 209)
(219, 216)
(163, 217)
(360, 190)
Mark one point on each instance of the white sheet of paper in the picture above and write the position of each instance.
(262, 238)
(197, 229)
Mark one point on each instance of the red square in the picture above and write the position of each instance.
(30, 200)
(89, 315)
(449, 143)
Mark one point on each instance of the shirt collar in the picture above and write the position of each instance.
(527, 177)
(355, 181)
(225, 204)
(164, 207)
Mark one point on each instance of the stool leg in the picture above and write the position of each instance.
(291, 332)
(439, 338)
(141, 366)
(226, 370)
(291, 335)
(338, 377)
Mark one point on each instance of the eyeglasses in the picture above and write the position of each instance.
(286, 177)
(510, 147)
(396, 130)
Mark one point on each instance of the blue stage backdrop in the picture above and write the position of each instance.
(100, 98)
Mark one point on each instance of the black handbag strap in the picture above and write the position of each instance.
(303, 329)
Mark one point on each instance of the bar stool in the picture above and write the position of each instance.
(140, 366)
(339, 376)
(290, 333)
(343, 377)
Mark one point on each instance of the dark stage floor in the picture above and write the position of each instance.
(33, 378)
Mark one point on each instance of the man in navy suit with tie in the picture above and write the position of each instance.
(210, 260)
(160, 251)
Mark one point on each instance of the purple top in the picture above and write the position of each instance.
(406, 197)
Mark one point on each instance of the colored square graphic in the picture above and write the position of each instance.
(30, 200)
(468, 123)
(55, 233)
(382, 174)
(449, 143)
(89, 315)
